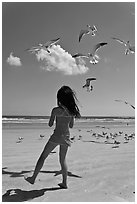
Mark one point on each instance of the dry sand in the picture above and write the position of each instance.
(97, 172)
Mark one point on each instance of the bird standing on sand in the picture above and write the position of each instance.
(126, 138)
(129, 47)
(42, 136)
(87, 85)
(20, 138)
(93, 57)
(90, 30)
(107, 139)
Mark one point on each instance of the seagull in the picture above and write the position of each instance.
(120, 132)
(130, 48)
(42, 136)
(20, 138)
(45, 46)
(126, 103)
(90, 29)
(104, 133)
(87, 85)
(73, 138)
(93, 57)
(48, 44)
(116, 142)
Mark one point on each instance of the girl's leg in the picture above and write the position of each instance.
(47, 149)
(62, 159)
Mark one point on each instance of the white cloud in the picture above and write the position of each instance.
(60, 60)
(13, 61)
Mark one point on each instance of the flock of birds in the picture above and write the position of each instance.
(92, 56)
(108, 137)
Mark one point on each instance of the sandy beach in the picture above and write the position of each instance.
(98, 169)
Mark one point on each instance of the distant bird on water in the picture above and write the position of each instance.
(125, 103)
(87, 85)
(93, 57)
(130, 48)
(90, 29)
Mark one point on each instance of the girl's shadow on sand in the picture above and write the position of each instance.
(21, 173)
(18, 195)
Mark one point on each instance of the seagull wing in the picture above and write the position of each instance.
(118, 100)
(82, 33)
(94, 28)
(132, 48)
(51, 42)
(121, 41)
(129, 104)
(89, 80)
(97, 46)
(79, 55)
(132, 106)
(32, 48)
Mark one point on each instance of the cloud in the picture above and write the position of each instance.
(60, 60)
(13, 61)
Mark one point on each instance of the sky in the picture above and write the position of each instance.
(30, 82)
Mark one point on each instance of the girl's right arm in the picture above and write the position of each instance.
(52, 118)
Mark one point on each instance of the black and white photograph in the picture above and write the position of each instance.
(68, 101)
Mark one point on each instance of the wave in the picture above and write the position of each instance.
(45, 119)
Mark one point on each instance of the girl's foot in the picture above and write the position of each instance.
(62, 185)
(29, 179)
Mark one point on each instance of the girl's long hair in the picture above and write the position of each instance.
(67, 97)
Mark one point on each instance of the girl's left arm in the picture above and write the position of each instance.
(71, 122)
(52, 118)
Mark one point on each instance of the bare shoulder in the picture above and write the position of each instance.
(56, 110)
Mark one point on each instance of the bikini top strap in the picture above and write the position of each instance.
(65, 111)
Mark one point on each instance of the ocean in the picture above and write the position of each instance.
(10, 122)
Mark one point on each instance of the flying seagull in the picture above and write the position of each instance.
(129, 47)
(48, 44)
(87, 85)
(90, 29)
(125, 103)
(93, 57)
(44, 46)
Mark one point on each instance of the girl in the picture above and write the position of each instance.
(64, 115)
